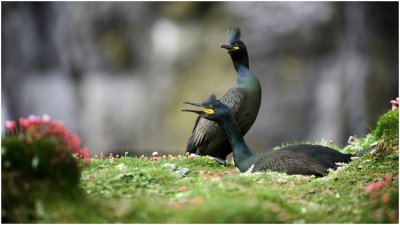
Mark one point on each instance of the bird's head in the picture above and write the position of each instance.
(211, 109)
(236, 47)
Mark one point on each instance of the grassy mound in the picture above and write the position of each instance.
(387, 128)
(199, 190)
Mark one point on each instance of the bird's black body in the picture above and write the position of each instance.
(243, 100)
(303, 159)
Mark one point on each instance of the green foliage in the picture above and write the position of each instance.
(387, 128)
(40, 159)
(32, 170)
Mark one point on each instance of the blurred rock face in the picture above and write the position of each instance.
(116, 73)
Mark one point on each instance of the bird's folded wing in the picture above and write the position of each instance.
(206, 131)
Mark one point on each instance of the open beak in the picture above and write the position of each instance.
(202, 112)
(229, 47)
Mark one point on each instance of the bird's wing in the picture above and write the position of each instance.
(207, 136)
(291, 163)
(234, 98)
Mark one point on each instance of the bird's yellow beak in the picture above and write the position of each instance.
(202, 112)
(234, 49)
(230, 48)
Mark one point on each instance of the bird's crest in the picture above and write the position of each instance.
(213, 95)
(233, 34)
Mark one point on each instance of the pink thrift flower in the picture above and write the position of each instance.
(369, 188)
(378, 185)
(34, 119)
(386, 198)
(35, 127)
(23, 122)
(10, 125)
(46, 118)
(395, 103)
(388, 179)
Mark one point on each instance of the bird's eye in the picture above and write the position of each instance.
(211, 106)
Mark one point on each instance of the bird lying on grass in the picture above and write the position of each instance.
(243, 100)
(303, 159)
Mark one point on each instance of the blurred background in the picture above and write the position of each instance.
(116, 72)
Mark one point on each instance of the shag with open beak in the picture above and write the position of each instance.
(205, 109)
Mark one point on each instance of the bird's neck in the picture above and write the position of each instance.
(241, 60)
(242, 155)
(245, 77)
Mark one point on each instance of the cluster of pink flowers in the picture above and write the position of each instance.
(395, 103)
(34, 127)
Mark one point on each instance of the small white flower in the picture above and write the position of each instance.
(121, 166)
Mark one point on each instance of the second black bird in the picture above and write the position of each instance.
(294, 159)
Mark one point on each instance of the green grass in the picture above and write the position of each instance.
(185, 190)
(150, 192)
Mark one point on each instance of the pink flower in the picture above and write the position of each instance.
(23, 122)
(10, 125)
(386, 198)
(46, 118)
(34, 119)
(85, 153)
(35, 127)
(388, 179)
(395, 103)
(369, 188)
(378, 184)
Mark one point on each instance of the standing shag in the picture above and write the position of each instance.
(243, 99)
(303, 159)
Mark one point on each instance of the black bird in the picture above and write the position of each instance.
(303, 159)
(243, 100)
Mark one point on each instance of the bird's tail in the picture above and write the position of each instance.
(362, 152)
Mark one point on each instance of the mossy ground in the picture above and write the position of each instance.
(186, 190)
